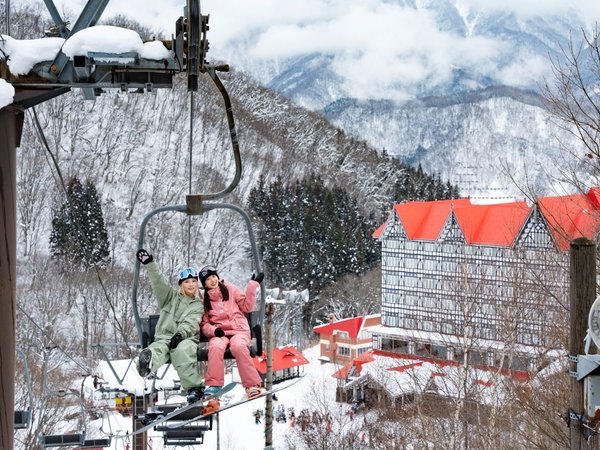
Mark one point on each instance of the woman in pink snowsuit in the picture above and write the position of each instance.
(224, 323)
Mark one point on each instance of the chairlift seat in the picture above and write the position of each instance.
(254, 347)
(62, 440)
(96, 443)
(191, 413)
(182, 437)
(22, 419)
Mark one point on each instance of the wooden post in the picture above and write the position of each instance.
(582, 293)
(270, 309)
(11, 122)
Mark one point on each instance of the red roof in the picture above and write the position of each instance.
(366, 357)
(350, 326)
(283, 358)
(358, 362)
(407, 366)
(378, 231)
(572, 216)
(497, 224)
(424, 220)
(569, 217)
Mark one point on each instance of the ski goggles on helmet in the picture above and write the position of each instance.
(188, 272)
(207, 270)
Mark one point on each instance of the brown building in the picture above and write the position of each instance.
(343, 340)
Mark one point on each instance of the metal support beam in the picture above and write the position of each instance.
(61, 25)
(89, 17)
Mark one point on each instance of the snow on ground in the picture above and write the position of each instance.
(7, 93)
(238, 430)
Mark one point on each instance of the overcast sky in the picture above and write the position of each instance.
(360, 34)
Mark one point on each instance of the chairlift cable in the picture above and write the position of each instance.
(190, 151)
(44, 141)
(86, 370)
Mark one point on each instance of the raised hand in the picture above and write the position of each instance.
(258, 277)
(143, 256)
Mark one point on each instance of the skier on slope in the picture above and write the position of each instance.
(176, 335)
(224, 323)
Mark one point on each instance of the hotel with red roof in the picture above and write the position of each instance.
(486, 282)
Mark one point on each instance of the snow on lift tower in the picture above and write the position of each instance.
(93, 74)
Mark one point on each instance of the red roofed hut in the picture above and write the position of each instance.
(288, 363)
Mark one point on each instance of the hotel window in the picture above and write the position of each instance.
(439, 351)
(423, 349)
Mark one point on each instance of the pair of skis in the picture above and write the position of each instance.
(151, 419)
(264, 393)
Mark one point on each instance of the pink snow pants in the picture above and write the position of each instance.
(238, 344)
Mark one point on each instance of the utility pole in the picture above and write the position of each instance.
(269, 311)
(582, 293)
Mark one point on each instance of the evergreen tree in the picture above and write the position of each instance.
(78, 234)
(312, 235)
(416, 185)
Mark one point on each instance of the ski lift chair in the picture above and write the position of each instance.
(146, 326)
(23, 417)
(195, 205)
(74, 439)
(255, 346)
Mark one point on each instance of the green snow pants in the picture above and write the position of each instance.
(183, 358)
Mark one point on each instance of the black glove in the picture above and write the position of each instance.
(219, 332)
(258, 278)
(175, 340)
(143, 256)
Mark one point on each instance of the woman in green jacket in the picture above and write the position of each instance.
(176, 336)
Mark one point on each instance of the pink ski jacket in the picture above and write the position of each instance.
(229, 315)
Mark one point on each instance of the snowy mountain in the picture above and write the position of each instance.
(452, 85)
(483, 142)
(426, 48)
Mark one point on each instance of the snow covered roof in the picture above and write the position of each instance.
(400, 374)
(568, 216)
(283, 358)
(7, 93)
(128, 379)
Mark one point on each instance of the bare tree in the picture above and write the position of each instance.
(573, 101)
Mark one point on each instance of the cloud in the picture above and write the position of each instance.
(375, 45)
(526, 70)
